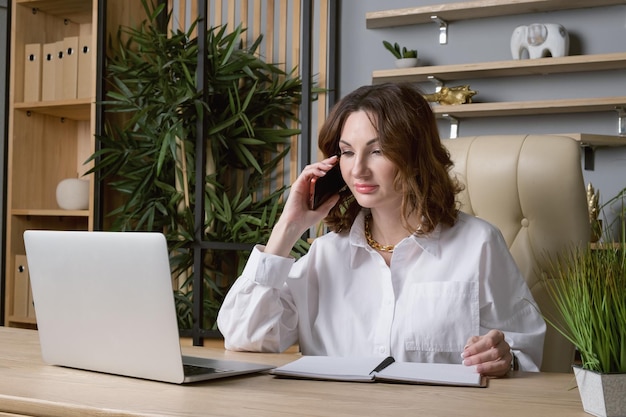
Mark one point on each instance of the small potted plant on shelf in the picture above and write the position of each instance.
(405, 58)
(588, 288)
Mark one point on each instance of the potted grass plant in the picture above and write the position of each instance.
(588, 289)
(405, 58)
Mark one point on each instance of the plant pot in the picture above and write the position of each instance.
(596, 230)
(406, 62)
(602, 394)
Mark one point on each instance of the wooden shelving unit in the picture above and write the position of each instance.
(539, 107)
(79, 109)
(521, 108)
(51, 137)
(78, 11)
(590, 139)
(510, 68)
(478, 9)
(440, 74)
(51, 212)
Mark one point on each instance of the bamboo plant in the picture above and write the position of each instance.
(147, 156)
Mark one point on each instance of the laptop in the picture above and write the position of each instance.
(104, 302)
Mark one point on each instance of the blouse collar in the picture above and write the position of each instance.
(430, 243)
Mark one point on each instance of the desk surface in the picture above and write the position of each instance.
(29, 387)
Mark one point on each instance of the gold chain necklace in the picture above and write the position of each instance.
(371, 241)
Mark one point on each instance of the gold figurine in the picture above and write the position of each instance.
(452, 95)
(593, 206)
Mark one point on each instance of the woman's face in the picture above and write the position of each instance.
(364, 167)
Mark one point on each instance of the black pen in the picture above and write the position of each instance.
(388, 361)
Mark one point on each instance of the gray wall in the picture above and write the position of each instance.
(591, 30)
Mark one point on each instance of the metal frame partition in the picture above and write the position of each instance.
(303, 56)
(198, 332)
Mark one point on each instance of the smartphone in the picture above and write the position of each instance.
(322, 188)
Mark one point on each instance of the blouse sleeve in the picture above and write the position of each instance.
(258, 313)
(508, 305)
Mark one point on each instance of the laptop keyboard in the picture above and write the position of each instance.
(201, 370)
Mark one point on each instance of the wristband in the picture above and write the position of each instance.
(514, 363)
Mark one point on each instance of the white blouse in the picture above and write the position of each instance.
(341, 299)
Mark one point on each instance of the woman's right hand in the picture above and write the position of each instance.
(296, 217)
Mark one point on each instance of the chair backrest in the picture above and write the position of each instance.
(532, 188)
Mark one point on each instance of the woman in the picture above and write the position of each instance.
(403, 272)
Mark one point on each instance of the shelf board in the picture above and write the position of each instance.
(78, 11)
(50, 212)
(78, 109)
(22, 320)
(538, 66)
(591, 139)
(538, 107)
(450, 12)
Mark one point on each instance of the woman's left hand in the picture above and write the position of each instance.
(491, 354)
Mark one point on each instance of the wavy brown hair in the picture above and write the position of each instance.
(409, 138)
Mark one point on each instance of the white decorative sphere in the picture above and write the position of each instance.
(73, 194)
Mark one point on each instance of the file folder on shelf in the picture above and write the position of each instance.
(58, 70)
(22, 294)
(32, 72)
(85, 70)
(70, 68)
(48, 72)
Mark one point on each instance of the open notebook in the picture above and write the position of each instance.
(104, 302)
(373, 369)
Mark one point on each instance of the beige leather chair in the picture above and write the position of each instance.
(532, 188)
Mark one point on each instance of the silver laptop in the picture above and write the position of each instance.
(104, 302)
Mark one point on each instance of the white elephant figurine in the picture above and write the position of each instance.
(539, 40)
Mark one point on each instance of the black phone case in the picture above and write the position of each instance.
(322, 188)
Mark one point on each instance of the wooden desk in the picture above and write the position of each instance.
(29, 387)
